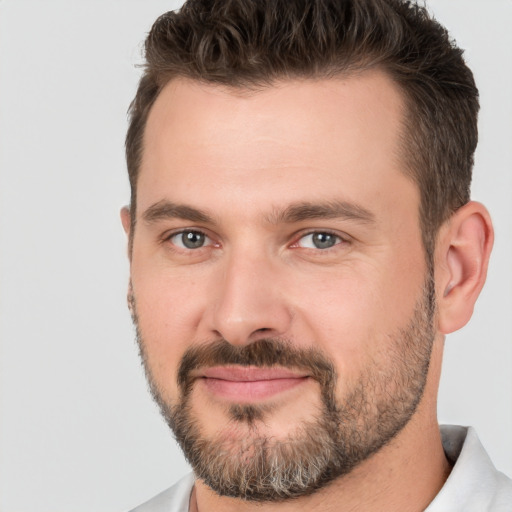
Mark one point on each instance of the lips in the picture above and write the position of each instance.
(249, 384)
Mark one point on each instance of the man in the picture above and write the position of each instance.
(301, 240)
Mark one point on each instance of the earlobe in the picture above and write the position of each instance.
(126, 219)
(462, 257)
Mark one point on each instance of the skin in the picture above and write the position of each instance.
(243, 158)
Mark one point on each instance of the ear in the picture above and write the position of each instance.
(126, 220)
(463, 249)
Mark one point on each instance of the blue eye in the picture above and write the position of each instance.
(319, 240)
(190, 239)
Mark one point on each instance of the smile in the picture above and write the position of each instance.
(249, 384)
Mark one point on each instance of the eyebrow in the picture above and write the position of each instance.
(165, 210)
(297, 212)
(329, 210)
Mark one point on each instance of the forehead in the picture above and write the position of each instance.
(305, 136)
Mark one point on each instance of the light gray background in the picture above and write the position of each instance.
(78, 431)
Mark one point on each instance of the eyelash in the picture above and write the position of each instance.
(339, 240)
(168, 239)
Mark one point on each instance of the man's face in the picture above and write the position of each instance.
(279, 280)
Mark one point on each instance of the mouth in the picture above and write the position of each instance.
(249, 384)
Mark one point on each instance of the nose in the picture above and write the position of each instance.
(250, 301)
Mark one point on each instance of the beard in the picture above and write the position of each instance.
(252, 465)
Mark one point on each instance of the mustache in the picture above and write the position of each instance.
(263, 353)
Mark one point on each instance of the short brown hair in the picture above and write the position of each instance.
(253, 43)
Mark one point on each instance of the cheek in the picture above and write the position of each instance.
(353, 316)
(168, 313)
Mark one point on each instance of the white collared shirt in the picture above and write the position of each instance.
(474, 484)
